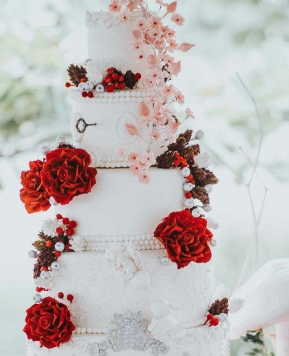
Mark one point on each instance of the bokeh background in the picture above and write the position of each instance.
(240, 61)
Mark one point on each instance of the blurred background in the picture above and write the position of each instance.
(239, 64)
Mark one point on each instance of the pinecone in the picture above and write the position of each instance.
(43, 236)
(188, 154)
(219, 307)
(129, 79)
(203, 176)
(166, 160)
(196, 149)
(36, 270)
(45, 258)
(76, 73)
(39, 245)
(181, 141)
(201, 194)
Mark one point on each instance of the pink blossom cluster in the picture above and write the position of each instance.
(154, 42)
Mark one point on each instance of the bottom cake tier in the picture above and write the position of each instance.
(199, 341)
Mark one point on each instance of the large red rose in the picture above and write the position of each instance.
(185, 238)
(49, 323)
(66, 174)
(33, 194)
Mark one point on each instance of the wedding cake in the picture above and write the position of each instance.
(123, 266)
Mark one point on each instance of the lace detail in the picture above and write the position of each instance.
(107, 18)
(99, 292)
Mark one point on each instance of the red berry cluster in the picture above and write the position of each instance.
(40, 289)
(115, 79)
(212, 320)
(70, 225)
(69, 297)
(181, 162)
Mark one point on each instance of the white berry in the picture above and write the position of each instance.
(185, 171)
(45, 149)
(208, 188)
(45, 274)
(55, 265)
(187, 187)
(61, 140)
(32, 254)
(37, 298)
(213, 243)
(196, 212)
(99, 88)
(189, 203)
(207, 207)
(59, 246)
(199, 135)
(88, 85)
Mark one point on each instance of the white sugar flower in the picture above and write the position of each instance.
(49, 226)
(202, 160)
(93, 72)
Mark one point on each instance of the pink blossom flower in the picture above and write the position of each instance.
(152, 60)
(135, 169)
(171, 33)
(154, 33)
(155, 135)
(136, 45)
(172, 45)
(168, 59)
(168, 90)
(175, 68)
(179, 97)
(133, 158)
(148, 158)
(141, 24)
(178, 19)
(115, 6)
(131, 6)
(144, 177)
(121, 152)
(124, 17)
(190, 113)
(140, 56)
(155, 22)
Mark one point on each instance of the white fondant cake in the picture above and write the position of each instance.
(124, 267)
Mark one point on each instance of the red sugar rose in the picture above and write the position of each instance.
(33, 194)
(65, 174)
(185, 238)
(49, 323)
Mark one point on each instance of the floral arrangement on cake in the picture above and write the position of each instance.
(49, 322)
(63, 174)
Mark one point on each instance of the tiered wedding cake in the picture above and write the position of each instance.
(123, 267)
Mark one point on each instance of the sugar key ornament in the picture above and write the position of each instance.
(81, 125)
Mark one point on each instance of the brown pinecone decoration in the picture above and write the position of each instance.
(166, 160)
(39, 245)
(43, 236)
(203, 176)
(182, 140)
(36, 270)
(129, 79)
(188, 154)
(76, 73)
(201, 194)
(219, 307)
(45, 258)
(196, 149)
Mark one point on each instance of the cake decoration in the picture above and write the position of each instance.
(186, 238)
(49, 322)
(61, 176)
(53, 240)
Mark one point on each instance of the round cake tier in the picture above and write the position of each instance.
(99, 126)
(110, 39)
(120, 205)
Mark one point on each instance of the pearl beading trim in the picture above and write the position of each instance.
(123, 96)
(109, 161)
(139, 242)
(84, 330)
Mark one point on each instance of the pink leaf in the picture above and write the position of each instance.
(171, 7)
(144, 110)
(132, 129)
(137, 35)
(184, 47)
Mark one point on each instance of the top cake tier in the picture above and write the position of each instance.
(110, 40)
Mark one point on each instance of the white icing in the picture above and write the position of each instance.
(108, 37)
(119, 205)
